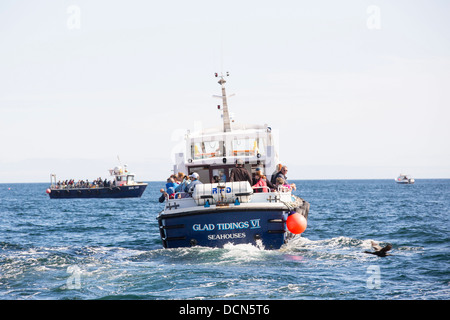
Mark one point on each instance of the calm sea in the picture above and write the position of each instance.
(110, 248)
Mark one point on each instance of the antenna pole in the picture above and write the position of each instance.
(226, 114)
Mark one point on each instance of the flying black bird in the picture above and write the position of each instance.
(379, 251)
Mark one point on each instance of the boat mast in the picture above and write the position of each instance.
(226, 114)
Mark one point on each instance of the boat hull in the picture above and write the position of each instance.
(215, 228)
(134, 191)
(406, 181)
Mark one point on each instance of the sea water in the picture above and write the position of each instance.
(111, 248)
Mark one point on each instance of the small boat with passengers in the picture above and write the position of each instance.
(404, 179)
(122, 185)
(221, 210)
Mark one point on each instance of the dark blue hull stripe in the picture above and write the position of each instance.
(114, 192)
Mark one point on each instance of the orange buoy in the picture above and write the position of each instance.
(296, 223)
(48, 191)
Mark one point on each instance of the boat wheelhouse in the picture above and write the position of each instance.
(219, 210)
(211, 152)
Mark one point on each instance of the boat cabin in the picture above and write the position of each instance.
(212, 152)
(122, 176)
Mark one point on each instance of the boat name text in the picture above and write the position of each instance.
(225, 236)
(252, 224)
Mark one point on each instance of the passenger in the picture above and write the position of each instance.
(215, 179)
(261, 185)
(171, 192)
(282, 174)
(175, 179)
(182, 186)
(259, 171)
(163, 196)
(240, 173)
(180, 177)
(194, 181)
(273, 179)
(170, 183)
(281, 185)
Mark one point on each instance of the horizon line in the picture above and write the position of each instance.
(308, 179)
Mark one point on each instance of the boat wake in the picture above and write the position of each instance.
(300, 249)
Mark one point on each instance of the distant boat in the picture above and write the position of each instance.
(404, 179)
(121, 186)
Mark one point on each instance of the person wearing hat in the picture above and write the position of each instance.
(194, 181)
(240, 173)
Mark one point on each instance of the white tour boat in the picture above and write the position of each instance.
(222, 212)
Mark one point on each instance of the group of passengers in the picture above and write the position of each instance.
(184, 185)
(180, 183)
(97, 183)
(260, 183)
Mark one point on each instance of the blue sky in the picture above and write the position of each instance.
(357, 89)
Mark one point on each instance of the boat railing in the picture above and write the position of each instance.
(185, 199)
(263, 189)
(178, 195)
(73, 186)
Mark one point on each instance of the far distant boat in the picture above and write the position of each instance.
(404, 179)
(122, 185)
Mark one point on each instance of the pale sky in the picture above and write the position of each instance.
(357, 89)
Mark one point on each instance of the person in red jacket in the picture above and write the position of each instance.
(260, 185)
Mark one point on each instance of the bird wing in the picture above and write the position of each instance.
(375, 246)
(387, 248)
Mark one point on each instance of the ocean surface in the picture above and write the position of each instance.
(111, 249)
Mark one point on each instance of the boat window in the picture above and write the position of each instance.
(130, 179)
(219, 172)
(206, 149)
(203, 172)
(248, 146)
